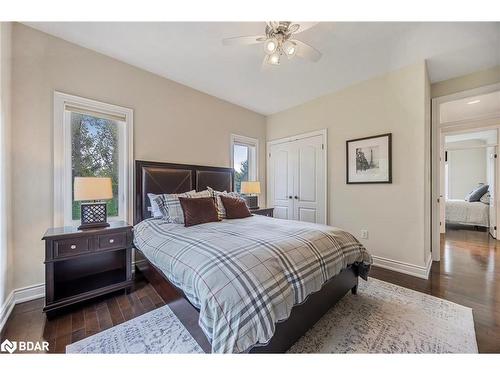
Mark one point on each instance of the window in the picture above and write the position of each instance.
(244, 159)
(91, 139)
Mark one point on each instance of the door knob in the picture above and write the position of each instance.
(289, 197)
(296, 197)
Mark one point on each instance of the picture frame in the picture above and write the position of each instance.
(369, 160)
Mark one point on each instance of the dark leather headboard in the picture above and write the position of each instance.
(155, 177)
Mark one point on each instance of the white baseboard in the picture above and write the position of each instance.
(18, 296)
(6, 309)
(402, 267)
(29, 293)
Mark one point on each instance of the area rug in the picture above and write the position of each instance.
(381, 318)
(158, 331)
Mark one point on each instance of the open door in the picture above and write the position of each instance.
(491, 177)
(443, 159)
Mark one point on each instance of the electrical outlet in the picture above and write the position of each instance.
(364, 234)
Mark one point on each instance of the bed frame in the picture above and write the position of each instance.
(155, 177)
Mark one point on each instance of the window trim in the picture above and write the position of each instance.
(62, 150)
(245, 141)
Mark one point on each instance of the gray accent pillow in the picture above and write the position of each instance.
(155, 210)
(476, 194)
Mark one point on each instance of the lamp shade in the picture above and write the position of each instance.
(92, 188)
(250, 187)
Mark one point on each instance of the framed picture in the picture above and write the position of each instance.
(369, 160)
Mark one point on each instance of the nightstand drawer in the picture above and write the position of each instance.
(112, 241)
(73, 246)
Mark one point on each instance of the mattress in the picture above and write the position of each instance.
(467, 213)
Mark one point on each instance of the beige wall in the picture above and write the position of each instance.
(172, 123)
(6, 253)
(467, 167)
(392, 213)
(467, 82)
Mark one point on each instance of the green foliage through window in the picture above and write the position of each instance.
(241, 175)
(240, 159)
(94, 153)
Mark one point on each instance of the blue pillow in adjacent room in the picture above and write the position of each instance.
(476, 194)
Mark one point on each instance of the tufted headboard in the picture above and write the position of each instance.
(156, 177)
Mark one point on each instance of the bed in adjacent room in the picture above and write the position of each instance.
(463, 212)
(251, 284)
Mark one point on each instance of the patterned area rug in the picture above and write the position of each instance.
(158, 331)
(381, 318)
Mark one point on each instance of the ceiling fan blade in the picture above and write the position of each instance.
(273, 24)
(293, 28)
(306, 51)
(303, 26)
(246, 40)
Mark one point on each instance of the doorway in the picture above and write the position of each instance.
(465, 133)
(469, 190)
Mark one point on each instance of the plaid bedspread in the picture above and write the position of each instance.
(245, 275)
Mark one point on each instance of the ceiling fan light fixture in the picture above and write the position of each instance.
(290, 49)
(279, 40)
(274, 59)
(270, 46)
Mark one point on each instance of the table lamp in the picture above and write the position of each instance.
(93, 190)
(250, 189)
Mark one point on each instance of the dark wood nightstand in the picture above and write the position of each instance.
(83, 264)
(263, 211)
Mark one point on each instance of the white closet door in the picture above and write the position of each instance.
(297, 180)
(281, 180)
(309, 180)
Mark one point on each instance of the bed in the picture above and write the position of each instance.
(243, 285)
(467, 213)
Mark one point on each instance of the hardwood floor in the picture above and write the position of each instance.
(468, 274)
(28, 323)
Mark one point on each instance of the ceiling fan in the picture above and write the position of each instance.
(279, 40)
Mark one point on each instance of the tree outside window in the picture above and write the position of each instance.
(94, 153)
(240, 157)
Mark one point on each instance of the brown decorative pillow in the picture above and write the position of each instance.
(198, 210)
(236, 208)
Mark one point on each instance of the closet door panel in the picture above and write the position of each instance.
(307, 214)
(281, 181)
(306, 174)
(309, 202)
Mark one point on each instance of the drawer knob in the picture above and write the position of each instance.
(73, 247)
(111, 240)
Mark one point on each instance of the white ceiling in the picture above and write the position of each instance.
(474, 107)
(486, 136)
(192, 54)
